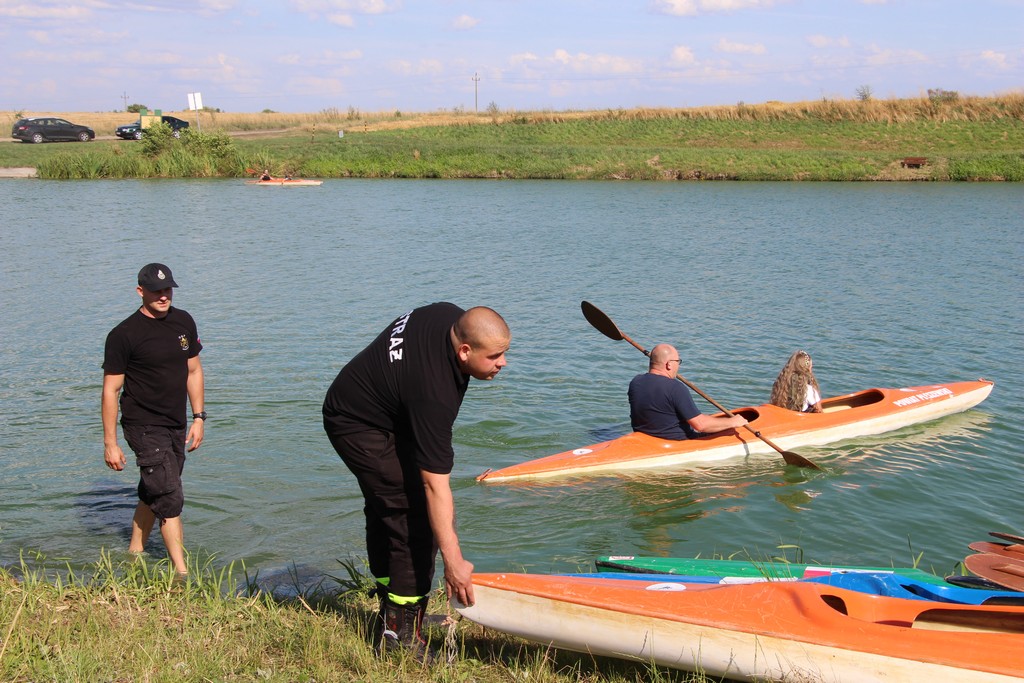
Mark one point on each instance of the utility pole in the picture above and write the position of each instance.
(124, 97)
(476, 89)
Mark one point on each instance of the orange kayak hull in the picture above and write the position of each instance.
(286, 182)
(864, 413)
(775, 630)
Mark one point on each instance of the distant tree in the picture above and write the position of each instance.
(864, 93)
(940, 96)
(268, 111)
(136, 108)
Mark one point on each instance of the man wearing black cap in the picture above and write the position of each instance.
(153, 355)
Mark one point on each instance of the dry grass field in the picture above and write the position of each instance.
(893, 111)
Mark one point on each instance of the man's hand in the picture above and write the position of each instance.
(195, 434)
(458, 580)
(114, 457)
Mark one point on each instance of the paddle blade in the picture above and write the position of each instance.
(600, 321)
(798, 460)
(1007, 572)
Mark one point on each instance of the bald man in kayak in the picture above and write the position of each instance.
(389, 415)
(661, 406)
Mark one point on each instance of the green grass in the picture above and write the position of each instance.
(134, 621)
(826, 142)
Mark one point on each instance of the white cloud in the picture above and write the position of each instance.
(324, 59)
(878, 56)
(465, 22)
(682, 55)
(689, 8)
(422, 67)
(523, 58)
(821, 41)
(78, 57)
(316, 85)
(44, 10)
(345, 20)
(601, 64)
(995, 59)
(342, 12)
(741, 48)
(319, 7)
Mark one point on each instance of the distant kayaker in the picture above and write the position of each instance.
(154, 356)
(796, 387)
(389, 415)
(661, 406)
(266, 175)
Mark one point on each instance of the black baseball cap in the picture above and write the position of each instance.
(156, 276)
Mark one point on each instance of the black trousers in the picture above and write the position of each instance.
(399, 541)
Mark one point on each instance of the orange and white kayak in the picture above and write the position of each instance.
(776, 631)
(864, 413)
(286, 182)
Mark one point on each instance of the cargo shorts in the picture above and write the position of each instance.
(160, 455)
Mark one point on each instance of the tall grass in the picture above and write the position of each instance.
(888, 111)
(136, 621)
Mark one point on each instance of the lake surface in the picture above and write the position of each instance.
(884, 284)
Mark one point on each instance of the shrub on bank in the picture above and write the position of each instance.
(159, 155)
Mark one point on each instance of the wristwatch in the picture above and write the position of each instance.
(201, 415)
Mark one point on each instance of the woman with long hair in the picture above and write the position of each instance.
(796, 387)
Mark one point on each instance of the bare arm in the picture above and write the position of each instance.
(196, 391)
(716, 423)
(458, 571)
(112, 453)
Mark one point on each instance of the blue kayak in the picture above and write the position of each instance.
(884, 584)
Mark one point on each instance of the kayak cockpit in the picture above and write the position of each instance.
(861, 398)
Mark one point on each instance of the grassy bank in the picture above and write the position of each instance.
(133, 621)
(962, 139)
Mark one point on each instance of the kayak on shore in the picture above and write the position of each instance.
(885, 583)
(775, 630)
(774, 571)
(864, 413)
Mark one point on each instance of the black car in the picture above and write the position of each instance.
(133, 131)
(50, 129)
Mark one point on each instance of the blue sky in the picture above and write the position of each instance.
(431, 55)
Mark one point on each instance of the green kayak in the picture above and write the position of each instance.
(768, 569)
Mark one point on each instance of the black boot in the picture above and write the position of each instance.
(403, 631)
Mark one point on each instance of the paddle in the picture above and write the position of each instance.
(1015, 550)
(1006, 572)
(603, 324)
(1012, 538)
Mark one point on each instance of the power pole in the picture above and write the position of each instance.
(124, 97)
(476, 89)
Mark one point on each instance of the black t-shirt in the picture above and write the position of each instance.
(153, 355)
(407, 382)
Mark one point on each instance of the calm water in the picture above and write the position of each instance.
(884, 284)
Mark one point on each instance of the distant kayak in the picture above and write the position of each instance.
(790, 631)
(776, 571)
(864, 413)
(286, 182)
